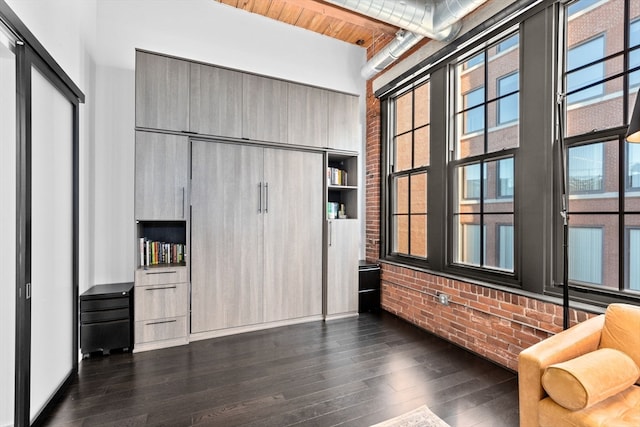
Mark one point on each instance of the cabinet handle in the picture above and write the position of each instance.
(259, 197)
(160, 322)
(161, 272)
(165, 287)
(183, 202)
(266, 190)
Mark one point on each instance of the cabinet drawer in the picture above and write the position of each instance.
(105, 336)
(160, 329)
(103, 304)
(104, 315)
(161, 301)
(161, 276)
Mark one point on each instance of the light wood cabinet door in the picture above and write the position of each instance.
(293, 234)
(162, 92)
(307, 115)
(162, 167)
(343, 122)
(226, 236)
(343, 236)
(216, 101)
(264, 106)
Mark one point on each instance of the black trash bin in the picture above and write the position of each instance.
(368, 287)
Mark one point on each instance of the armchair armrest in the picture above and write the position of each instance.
(573, 342)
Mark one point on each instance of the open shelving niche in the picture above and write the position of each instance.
(169, 232)
(341, 191)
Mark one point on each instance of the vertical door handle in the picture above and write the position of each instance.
(259, 197)
(330, 233)
(183, 201)
(266, 190)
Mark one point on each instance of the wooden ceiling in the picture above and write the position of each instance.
(321, 17)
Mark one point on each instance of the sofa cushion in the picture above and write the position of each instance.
(621, 410)
(622, 330)
(586, 380)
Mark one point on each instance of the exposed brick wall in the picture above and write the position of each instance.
(494, 324)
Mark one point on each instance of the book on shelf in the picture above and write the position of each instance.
(158, 253)
(336, 176)
(335, 210)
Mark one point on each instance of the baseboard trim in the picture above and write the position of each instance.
(251, 328)
(330, 317)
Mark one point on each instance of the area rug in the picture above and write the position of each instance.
(420, 417)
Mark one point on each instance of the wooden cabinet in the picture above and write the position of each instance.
(227, 199)
(161, 177)
(307, 115)
(264, 109)
(343, 122)
(161, 307)
(216, 101)
(162, 92)
(256, 235)
(343, 236)
(293, 234)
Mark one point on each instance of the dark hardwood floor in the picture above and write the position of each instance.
(352, 372)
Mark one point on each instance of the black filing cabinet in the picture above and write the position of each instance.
(106, 318)
(368, 287)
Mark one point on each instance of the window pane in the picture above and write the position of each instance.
(401, 192)
(634, 55)
(421, 147)
(600, 113)
(586, 169)
(578, 56)
(401, 234)
(593, 250)
(508, 110)
(469, 179)
(505, 177)
(633, 254)
(585, 255)
(476, 60)
(419, 193)
(505, 247)
(632, 194)
(404, 113)
(403, 152)
(498, 241)
(421, 96)
(419, 235)
(467, 243)
(493, 202)
(508, 43)
(581, 5)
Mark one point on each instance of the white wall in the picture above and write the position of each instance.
(94, 41)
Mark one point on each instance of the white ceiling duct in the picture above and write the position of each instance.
(435, 19)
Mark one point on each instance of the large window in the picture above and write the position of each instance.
(483, 167)
(494, 188)
(410, 171)
(602, 49)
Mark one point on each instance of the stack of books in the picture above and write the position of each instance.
(336, 176)
(158, 253)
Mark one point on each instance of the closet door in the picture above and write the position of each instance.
(293, 234)
(7, 232)
(226, 236)
(52, 299)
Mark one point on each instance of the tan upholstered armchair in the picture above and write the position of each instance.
(588, 375)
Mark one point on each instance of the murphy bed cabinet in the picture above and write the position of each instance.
(232, 202)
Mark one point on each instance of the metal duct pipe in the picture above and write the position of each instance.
(402, 43)
(435, 19)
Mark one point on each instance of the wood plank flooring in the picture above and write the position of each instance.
(351, 372)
